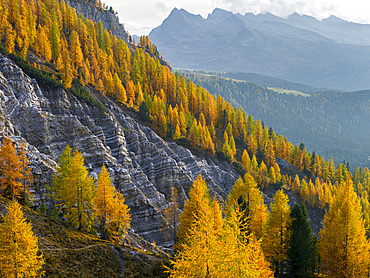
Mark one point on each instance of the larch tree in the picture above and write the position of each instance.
(197, 256)
(18, 245)
(277, 232)
(120, 219)
(74, 189)
(14, 169)
(104, 200)
(239, 254)
(343, 247)
(246, 161)
(248, 198)
(199, 202)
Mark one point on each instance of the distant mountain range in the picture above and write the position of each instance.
(331, 53)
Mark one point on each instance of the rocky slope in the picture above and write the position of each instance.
(109, 20)
(142, 165)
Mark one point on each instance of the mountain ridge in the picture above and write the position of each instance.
(290, 49)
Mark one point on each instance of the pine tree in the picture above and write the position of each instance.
(270, 154)
(74, 189)
(343, 246)
(18, 245)
(302, 246)
(120, 219)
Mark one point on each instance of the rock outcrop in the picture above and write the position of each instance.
(143, 166)
(108, 19)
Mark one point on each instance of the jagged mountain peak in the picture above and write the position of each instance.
(284, 48)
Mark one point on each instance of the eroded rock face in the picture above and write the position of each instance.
(142, 166)
(109, 20)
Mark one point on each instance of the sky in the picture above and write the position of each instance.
(141, 16)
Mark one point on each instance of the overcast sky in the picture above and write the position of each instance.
(141, 16)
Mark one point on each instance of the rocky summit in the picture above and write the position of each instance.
(142, 165)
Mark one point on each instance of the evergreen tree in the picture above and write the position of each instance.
(302, 249)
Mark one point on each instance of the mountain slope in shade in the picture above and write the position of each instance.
(332, 53)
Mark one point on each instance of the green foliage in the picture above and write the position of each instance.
(42, 209)
(45, 79)
(321, 118)
(79, 91)
(302, 251)
(143, 111)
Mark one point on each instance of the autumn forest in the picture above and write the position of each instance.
(241, 236)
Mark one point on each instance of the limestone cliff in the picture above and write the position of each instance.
(143, 166)
(109, 20)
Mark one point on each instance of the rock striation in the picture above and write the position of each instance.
(143, 166)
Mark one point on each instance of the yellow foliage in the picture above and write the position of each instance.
(18, 245)
(14, 169)
(112, 214)
(343, 247)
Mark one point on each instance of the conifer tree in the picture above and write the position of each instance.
(14, 169)
(248, 198)
(296, 184)
(104, 200)
(74, 189)
(199, 202)
(343, 248)
(277, 233)
(18, 245)
(197, 256)
(246, 161)
(302, 246)
(239, 254)
(270, 154)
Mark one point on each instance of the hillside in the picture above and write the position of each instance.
(331, 53)
(66, 80)
(69, 253)
(334, 124)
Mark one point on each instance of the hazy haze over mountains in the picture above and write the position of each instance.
(331, 53)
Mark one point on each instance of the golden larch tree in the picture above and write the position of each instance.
(14, 169)
(277, 233)
(74, 189)
(343, 248)
(199, 202)
(18, 245)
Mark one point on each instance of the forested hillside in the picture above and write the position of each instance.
(334, 124)
(216, 230)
